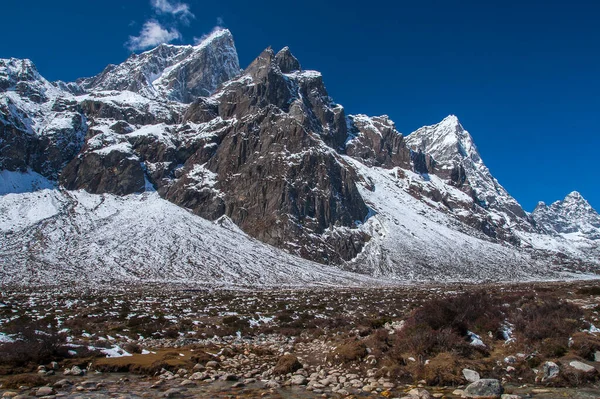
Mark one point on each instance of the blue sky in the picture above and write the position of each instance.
(522, 76)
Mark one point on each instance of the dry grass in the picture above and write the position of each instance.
(148, 364)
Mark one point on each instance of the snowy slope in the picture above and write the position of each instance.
(413, 241)
(55, 236)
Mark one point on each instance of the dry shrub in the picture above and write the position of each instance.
(202, 357)
(261, 351)
(349, 351)
(287, 364)
(478, 312)
(571, 377)
(422, 341)
(444, 369)
(132, 347)
(547, 318)
(35, 344)
(592, 290)
(554, 347)
(380, 342)
(442, 326)
(585, 345)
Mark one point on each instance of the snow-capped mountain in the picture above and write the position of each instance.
(457, 160)
(571, 216)
(178, 73)
(178, 139)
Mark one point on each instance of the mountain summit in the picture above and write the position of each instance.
(459, 162)
(177, 73)
(573, 215)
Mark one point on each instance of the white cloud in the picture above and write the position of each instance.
(216, 28)
(151, 35)
(179, 10)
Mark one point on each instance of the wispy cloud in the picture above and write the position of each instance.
(174, 8)
(152, 34)
(219, 26)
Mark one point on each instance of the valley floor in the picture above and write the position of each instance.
(538, 339)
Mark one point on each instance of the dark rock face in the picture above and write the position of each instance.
(286, 61)
(268, 171)
(115, 172)
(57, 147)
(422, 163)
(376, 142)
(102, 109)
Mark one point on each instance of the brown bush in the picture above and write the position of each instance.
(477, 312)
(235, 322)
(349, 351)
(547, 318)
(422, 341)
(593, 290)
(201, 357)
(35, 344)
(132, 347)
(585, 345)
(554, 347)
(287, 364)
(444, 369)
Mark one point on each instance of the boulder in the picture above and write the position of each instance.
(420, 393)
(471, 375)
(212, 364)
(580, 366)
(76, 371)
(550, 371)
(484, 389)
(298, 380)
(44, 391)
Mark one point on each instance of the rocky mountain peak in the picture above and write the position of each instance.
(16, 70)
(571, 215)
(286, 61)
(447, 141)
(575, 197)
(177, 73)
(22, 77)
(458, 161)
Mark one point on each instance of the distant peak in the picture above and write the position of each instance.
(450, 121)
(575, 198)
(286, 61)
(22, 69)
(214, 35)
